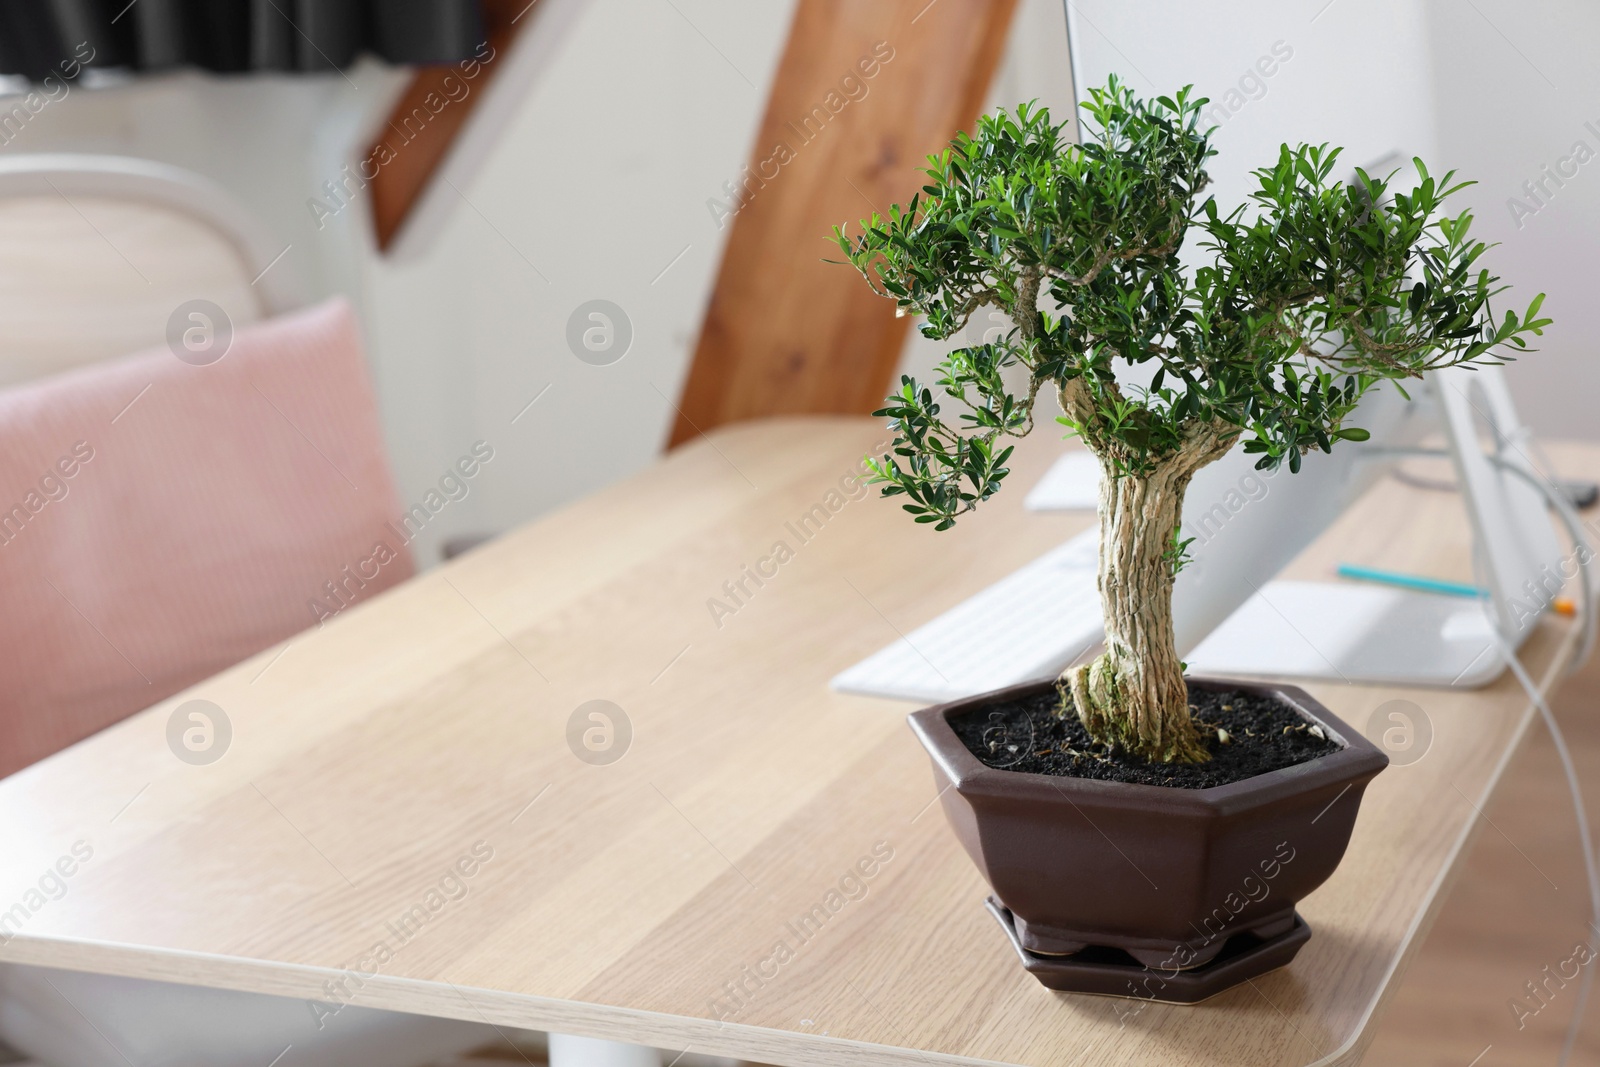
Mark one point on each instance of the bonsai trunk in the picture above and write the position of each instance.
(1134, 694)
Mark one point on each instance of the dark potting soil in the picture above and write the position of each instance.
(1027, 735)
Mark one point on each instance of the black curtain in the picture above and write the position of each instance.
(41, 38)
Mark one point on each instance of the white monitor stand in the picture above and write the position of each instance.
(1369, 633)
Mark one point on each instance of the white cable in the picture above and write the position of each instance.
(1592, 872)
(1563, 508)
(1585, 839)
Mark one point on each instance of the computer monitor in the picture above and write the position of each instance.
(1364, 633)
(1248, 524)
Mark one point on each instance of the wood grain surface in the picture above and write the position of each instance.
(425, 734)
(865, 91)
(427, 117)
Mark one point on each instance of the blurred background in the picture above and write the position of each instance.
(595, 146)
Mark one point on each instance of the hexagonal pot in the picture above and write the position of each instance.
(1085, 870)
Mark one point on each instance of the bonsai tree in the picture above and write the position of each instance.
(1266, 329)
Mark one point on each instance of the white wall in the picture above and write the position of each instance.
(598, 187)
(1516, 85)
(604, 173)
(1036, 67)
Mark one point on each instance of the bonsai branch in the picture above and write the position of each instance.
(961, 314)
(1109, 256)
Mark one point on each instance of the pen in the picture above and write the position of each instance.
(1561, 605)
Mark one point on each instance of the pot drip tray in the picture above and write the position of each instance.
(1113, 973)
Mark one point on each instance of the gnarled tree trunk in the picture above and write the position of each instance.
(1134, 694)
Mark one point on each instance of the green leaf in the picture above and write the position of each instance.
(1272, 319)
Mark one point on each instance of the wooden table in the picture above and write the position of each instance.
(426, 733)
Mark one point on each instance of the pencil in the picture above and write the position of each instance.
(1561, 605)
(1410, 581)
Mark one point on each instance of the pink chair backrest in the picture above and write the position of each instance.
(161, 520)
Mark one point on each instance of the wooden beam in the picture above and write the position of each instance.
(428, 116)
(865, 90)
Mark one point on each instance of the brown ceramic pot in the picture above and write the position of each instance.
(1168, 876)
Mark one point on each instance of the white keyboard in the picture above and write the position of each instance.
(1029, 625)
